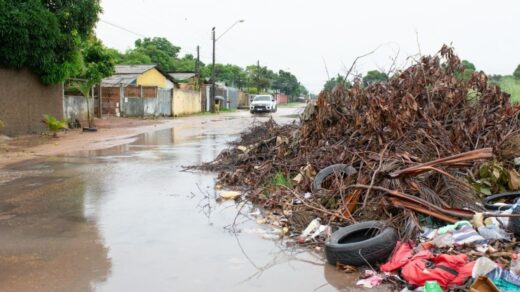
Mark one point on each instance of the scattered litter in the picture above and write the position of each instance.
(370, 279)
(229, 195)
(426, 151)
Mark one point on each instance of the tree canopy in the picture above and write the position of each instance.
(336, 81)
(98, 61)
(253, 78)
(516, 74)
(469, 68)
(374, 76)
(46, 35)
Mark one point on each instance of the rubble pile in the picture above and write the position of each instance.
(418, 170)
(413, 140)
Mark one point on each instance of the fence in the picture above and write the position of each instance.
(282, 98)
(186, 102)
(232, 98)
(75, 108)
(135, 101)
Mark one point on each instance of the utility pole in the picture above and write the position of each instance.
(197, 63)
(258, 76)
(213, 87)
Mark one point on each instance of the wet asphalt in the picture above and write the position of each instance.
(131, 218)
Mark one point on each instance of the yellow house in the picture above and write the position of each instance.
(139, 75)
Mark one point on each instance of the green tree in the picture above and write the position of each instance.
(135, 57)
(287, 83)
(260, 78)
(336, 81)
(516, 74)
(374, 76)
(469, 68)
(186, 64)
(46, 35)
(160, 51)
(98, 63)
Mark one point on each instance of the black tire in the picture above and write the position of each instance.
(332, 169)
(514, 223)
(357, 244)
(89, 130)
(488, 201)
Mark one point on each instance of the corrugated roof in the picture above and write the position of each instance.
(181, 76)
(118, 79)
(133, 69)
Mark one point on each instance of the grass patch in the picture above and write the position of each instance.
(511, 86)
(279, 179)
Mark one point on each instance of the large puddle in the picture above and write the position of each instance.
(129, 218)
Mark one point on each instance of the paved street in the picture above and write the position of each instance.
(128, 218)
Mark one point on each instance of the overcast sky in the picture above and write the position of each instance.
(298, 35)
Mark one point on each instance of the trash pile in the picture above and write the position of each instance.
(405, 165)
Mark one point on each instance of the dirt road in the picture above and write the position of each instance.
(129, 218)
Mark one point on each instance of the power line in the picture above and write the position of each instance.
(122, 28)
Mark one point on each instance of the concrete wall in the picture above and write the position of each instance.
(24, 100)
(186, 102)
(75, 107)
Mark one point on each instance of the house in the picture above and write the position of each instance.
(136, 90)
(24, 99)
(139, 75)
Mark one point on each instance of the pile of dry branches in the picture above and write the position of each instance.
(413, 141)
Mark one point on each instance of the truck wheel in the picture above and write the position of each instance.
(361, 243)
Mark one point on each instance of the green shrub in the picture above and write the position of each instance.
(54, 125)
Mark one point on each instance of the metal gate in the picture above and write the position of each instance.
(164, 102)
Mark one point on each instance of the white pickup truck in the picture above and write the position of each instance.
(263, 104)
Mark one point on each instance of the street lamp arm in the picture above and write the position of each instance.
(229, 28)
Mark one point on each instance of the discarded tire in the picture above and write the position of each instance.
(514, 223)
(362, 243)
(89, 130)
(488, 201)
(329, 170)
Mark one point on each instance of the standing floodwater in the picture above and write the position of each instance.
(129, 218)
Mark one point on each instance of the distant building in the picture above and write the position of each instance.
(183, 76)
(139, 75)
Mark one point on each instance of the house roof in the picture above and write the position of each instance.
(181, 76)
(133, 69)
(127, 74)
(118, 79)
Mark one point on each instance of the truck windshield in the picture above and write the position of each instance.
(262, 98)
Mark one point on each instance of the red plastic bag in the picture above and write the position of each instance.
(401, 255)
(445, 269)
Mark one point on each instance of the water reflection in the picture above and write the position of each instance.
(127, 219)
(47, 243)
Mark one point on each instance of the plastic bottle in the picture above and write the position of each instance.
(432, 286)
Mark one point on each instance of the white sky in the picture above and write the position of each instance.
(297, 35)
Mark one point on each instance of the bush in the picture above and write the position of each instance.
(54, 125)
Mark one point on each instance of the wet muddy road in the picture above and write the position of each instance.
(128, 218)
